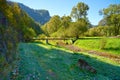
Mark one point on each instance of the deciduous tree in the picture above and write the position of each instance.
(79, 11)
(53, 25)
(112, 15)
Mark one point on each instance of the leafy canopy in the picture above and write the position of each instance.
(79, 11)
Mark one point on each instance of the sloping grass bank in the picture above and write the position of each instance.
(111, 45)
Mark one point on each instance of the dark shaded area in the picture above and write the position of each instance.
(112, 48)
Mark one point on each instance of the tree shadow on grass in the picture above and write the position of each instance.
(57, 64)
(112, 48)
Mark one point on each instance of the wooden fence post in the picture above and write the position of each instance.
(47, 41)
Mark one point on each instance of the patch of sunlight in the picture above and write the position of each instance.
(54, 47)
(44, 46)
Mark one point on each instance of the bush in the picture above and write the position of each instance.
(103, 43)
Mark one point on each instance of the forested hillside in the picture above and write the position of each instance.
(41, 16)
(15, 26)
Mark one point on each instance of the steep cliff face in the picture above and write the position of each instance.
(41, 16)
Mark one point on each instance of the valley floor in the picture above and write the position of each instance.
(39, 61)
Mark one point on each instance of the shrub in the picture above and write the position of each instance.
(103, 43)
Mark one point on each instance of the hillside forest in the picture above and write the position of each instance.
(26, 53)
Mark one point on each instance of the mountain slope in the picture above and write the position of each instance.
(41, 16)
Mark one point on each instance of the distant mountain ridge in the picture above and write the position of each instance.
(40, 16)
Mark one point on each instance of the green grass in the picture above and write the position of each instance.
(112, 45)
(40, 61)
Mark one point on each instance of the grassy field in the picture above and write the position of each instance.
(111, 45)
(47, 62)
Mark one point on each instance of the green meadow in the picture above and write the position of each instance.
(39, 61)
(111, 45)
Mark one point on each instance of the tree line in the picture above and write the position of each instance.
(77, 23)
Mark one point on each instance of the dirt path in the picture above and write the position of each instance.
(74, 48)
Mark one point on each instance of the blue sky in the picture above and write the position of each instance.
(64, 7)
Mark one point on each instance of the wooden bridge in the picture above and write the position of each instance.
(73, 39)
(51, 38)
